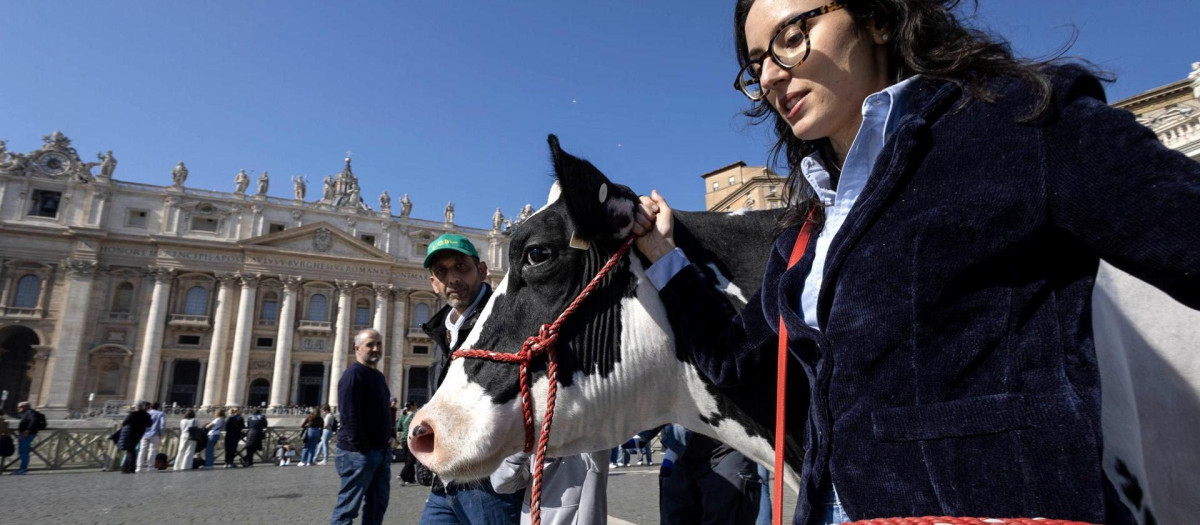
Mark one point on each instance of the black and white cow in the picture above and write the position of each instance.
(618, 369)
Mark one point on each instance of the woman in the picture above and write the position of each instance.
(214, 433)
(187, 445)
(130, 435)
(329, 425)
(960, 201)
(311, 429)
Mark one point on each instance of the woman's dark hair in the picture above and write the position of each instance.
(928, 40)
(191, 414)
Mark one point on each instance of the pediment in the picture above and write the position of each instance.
(319, 238)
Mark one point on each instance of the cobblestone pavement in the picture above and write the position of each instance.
(262, 494)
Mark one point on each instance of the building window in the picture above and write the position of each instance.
(318, 308)
(275, 227)
(770, 189)
(264, 342)
(270, 307)
(716, 185)
(731, 180)
(188, 340)
(418, 384)
(44, 203)
(362, 313)
(136, 219)
(196, 301)
(122, 298)
(110, 379)
(28, 288)
(420, 349)
(420, 314)
(369, 239)
(205, 224)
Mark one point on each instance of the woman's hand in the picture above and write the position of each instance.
(654, 227)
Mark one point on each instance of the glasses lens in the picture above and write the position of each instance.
(790, 44)
(748, 82)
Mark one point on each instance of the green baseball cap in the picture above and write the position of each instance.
(450, 241)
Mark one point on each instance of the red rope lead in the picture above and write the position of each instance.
(544, 342)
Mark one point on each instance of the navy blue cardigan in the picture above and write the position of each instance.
(954, 373)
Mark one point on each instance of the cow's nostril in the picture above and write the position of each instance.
(420, 439)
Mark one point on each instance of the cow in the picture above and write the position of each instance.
(618, 370)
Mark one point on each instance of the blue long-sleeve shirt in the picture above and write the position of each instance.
(363, 400)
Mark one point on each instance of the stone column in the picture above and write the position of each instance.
(156, 320)
(200, 389)
(220, 337)
(399, 338)
(342, 337)
(295, 384)
(383, 296)
(164, 386)
(325, 383)
(235, 394)
(59, 391)
(283, 341)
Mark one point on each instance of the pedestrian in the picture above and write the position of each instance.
(256, 431)
(214, 433)
(708, 482)
(284, 451)
(152, 439)
(187, 441)
(365, 435)
(311, 430)
(31, 421)
(575, 487)
(329, 426)
(408, 473)
(234, 425)
(460, 279)
(131, 432)
(959, 201)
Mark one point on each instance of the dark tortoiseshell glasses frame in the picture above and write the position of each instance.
(748, 75)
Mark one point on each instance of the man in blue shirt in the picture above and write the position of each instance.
(364, 436)
(152, 439)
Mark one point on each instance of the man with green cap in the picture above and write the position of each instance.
(460, 278)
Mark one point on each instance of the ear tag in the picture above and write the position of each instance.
(580, 244)
(603, 192)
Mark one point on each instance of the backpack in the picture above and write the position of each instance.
(333, 426)
(39, 421)
(196, 434)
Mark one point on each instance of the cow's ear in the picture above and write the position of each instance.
(599, 208)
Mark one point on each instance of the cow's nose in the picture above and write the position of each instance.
(420, 439)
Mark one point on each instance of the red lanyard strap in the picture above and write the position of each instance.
(781, 379)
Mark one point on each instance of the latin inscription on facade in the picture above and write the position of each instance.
(312, 344)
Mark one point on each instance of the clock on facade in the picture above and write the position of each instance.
(53, 163)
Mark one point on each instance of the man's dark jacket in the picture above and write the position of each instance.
(955, 372)
(132, 429)
(234, 426)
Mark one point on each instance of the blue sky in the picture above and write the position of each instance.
(452, 100)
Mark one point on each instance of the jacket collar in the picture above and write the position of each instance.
(435, 327)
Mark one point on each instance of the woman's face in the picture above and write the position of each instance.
(822, 96)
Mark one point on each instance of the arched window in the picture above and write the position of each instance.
(110, 378)
(318, 308)
(362, 312)
(27, 291)
(196, 301)
(122, 301)
(420, 314)
(270, 307)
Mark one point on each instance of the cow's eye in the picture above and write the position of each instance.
(535, 255)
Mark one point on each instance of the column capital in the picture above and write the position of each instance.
(227, 279)
(79, 268)
(345, 287)
(383, 292)
(160, 274)
(249, 280)
(290, 282)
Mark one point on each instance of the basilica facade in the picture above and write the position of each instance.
(114, 291)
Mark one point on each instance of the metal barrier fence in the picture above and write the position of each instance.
(92, 448)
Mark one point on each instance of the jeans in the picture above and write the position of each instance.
(311, 437)
(146, 452)
(364, 477)
(831, 509)
(24, 445)
(477, 505)
(323, 446)
(764, 501)
(210, 450)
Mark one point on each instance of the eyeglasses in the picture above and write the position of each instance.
(788, 48)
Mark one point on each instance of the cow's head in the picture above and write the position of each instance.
(614, 355)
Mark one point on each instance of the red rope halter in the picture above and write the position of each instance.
(544, 342)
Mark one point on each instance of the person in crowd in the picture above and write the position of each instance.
(214, 433)
(284, 451)
(31, 422)
(256, 431)
(365, 435)
(311, 429)
(708, 482)
(151, 439)
(187, 441)
(130, 435)
(329, 426)
(574, 488)
(234, 427)
(642, 443)
(956, 202)
(408, 472)
(459, 278)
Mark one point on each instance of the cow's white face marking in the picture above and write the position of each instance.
(739, 211)
(555, 193)
(727, 287)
